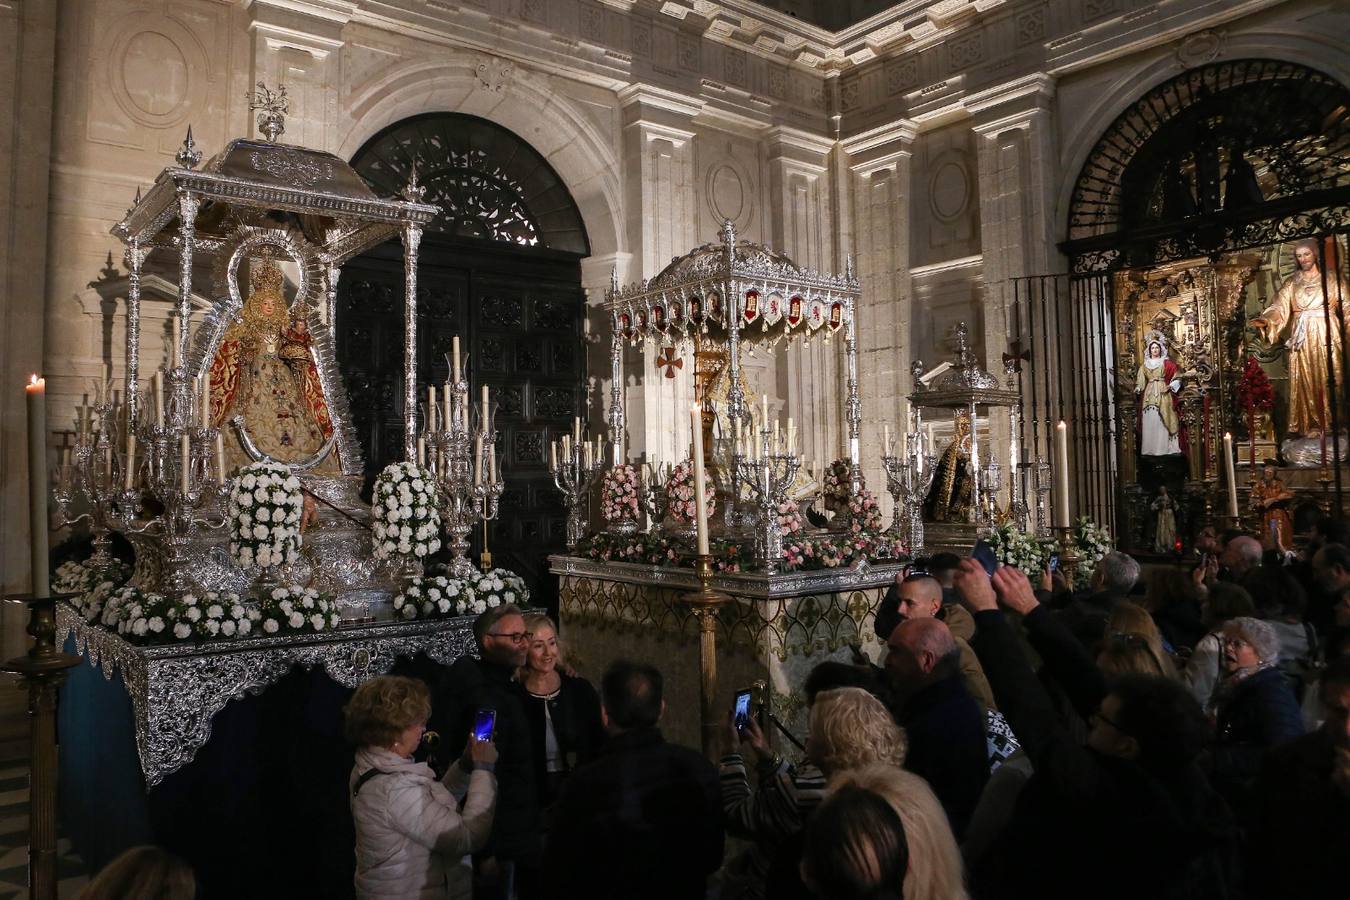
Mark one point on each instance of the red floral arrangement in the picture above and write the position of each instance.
(1254, 390)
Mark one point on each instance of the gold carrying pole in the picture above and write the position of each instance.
(42, 670)
(706, 603)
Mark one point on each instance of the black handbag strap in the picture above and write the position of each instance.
(365, 776)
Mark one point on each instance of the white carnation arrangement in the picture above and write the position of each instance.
(264, 514)
(295, 608)
(91, 603)
(407, 522)
(149, 618)
(497, 587)
(435, 597)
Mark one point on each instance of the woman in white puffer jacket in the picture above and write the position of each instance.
(412, 838)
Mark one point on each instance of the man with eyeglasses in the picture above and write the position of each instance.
(508, 867)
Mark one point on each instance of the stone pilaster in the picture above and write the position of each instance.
(802, 226)
(659, 191)
(1015, 135)
(878, 163)
(296, 43)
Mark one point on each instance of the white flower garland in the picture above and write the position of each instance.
(264, 513)
(78, 578)
(407, 522)
(435, 597)
(295, 608)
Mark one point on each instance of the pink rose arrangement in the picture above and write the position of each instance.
(680, 494)
(864, 513)
(838, 484)
(619, 493)
(789, 517)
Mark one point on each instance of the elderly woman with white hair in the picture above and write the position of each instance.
(1253, 706)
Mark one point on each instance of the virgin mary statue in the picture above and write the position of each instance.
(264, 373)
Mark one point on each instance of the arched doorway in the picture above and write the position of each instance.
(500, 268)
(1182, 232)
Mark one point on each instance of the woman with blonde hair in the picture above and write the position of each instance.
(412, 839)
(851, 728)
(1131, 619)
(935, 871)
(1124, 653)
(563, 710)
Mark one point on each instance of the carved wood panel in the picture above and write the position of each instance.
(518, 312)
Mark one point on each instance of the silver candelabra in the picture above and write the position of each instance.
(463, 458)
(574, 470)
(768, 473)
(177, 448)
(97, 472)
(908, 479)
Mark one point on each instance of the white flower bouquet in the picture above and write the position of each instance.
(497, 587)
(1092, 541)
(619, 493)
(407, 522)
(1017, 548)
(434, 597)
(294, 608)
(264, 514)
(91, 603)
(680, 494)
(149, 618)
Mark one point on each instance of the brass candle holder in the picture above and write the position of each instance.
(1068, 554)
(706, 603)
(42, 669)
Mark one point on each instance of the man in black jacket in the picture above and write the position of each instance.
(509, 864)
(944, 723)
(1129, 815)
(645, 818)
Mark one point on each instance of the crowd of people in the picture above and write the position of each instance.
(1184, 734)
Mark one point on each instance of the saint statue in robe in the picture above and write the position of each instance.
(264, 373)
(1156, 385)
(1271, 499)
(1311, 315)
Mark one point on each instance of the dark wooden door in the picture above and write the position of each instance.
(519, 313)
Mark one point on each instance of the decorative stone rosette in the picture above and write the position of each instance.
(407, 521)
(264, 516)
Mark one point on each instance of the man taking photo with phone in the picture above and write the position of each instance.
(508, 867)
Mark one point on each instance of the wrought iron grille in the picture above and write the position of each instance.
(1223, 157)
(488, 183)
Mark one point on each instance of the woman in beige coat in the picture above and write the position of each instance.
(412, 838)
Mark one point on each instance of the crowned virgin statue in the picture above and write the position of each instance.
(1156, 384)
(264, 374)
(1304, 307)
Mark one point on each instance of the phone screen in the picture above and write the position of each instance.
(741, 714)
(1054, 562)
(985, 556)
(483, 724)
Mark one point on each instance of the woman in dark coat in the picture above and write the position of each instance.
(563, 711)
(1253, 706)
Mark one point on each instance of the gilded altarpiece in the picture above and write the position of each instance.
(1182, 319)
